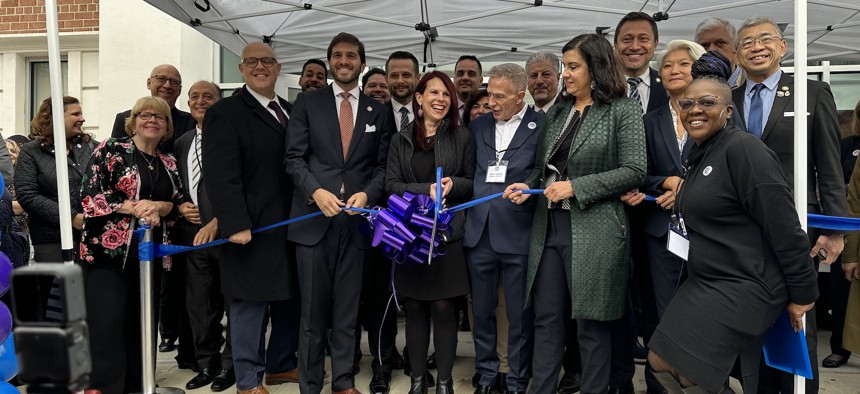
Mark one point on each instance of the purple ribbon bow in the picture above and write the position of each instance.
(404, 228)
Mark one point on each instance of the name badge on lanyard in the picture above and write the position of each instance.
(496, 171)
(679, 241)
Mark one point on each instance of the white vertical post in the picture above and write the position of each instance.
(54, 63)
(800, 135)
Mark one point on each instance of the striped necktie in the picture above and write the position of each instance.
(404, 118)
(195, 164)
(634, 90)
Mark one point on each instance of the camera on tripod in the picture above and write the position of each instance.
(53, 350)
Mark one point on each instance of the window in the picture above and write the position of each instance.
(40, 83)
(846, 89)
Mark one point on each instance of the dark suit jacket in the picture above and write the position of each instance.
(824, 170)
(315, 159)
(182, 122)
(511, 224)
(658, 96)
(182, 149)
(243, 152)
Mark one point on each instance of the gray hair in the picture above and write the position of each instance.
(693, 49)
(513, 72)
(759, 20)
(548, 57)
(714, 23)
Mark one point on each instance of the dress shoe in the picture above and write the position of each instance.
(418, 384)
(481, 389)
(397, 361)
(501, 382)
(255, 390)
(569, 383)
(223, 380)
(203, 378)
(379, 383)
(282, 377)
(834, 361)
(640, 353)
(355, 368)
(351, 390)
(445, 386)
(167, 345)
(476, 378)
(431, 361)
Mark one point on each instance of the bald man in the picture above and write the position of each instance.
(164, 81)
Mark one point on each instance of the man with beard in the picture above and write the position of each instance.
(403, 76)
(334, 165)
(542, 70)
(313, 75)
(636, 39)
(375, 85)
(467, 79)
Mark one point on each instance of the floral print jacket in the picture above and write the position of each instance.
(112, 177)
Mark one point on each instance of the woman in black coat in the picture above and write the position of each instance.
(36, 177)
(747, 256)
(434, 139)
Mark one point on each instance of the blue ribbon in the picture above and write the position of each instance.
(488, 198)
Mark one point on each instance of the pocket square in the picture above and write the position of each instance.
(371, 128)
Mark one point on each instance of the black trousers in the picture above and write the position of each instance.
(551, 300)
(485, 267)
(330, 277)
(205, 305)
(839, 288)
(378, 313)
(113, 317)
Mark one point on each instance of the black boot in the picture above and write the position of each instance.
(445, 386)
(418, 385)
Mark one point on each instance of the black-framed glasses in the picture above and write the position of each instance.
(705, 103)
(765, 40)
(268, 62)
(162, 79)
(146, 116)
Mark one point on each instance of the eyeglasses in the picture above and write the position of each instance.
(705, 103)
(268, 62)
(146, 116)
(162, 79)
(767, 39)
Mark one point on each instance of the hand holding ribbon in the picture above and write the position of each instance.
(514, 192)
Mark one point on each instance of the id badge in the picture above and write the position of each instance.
(496, 171)
(678, 242)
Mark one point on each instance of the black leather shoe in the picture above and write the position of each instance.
(418, 385)
(379, 383)
(569, 383)
(224, 380)
(476, 378)
(428, 377)
(167, 345)
(397, 361)
(203, 378)
(501, 382)
(834, 361)
(445, 386)
(481, 389)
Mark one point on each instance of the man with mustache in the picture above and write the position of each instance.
(542, 70)
(467, 79)
(375, 85)
(717, 34)
(313, 75)
(636, 39)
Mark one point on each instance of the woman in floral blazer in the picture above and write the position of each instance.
(127, 179)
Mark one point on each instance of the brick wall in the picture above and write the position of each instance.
(28, 16)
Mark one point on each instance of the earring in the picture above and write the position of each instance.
(420, 113)
(593, 85)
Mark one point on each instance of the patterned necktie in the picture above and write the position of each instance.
(754, 119)
(279, 113)
(404, 117)
(346, 125)
(634, 90)
(195, 163)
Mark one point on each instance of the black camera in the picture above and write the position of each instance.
(53, 352)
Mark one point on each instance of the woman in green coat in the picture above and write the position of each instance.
(592, 149)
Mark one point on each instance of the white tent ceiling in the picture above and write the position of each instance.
(493, 30)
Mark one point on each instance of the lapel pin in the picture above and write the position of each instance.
(856, 152)
(784, 88)
(369, 108)
(532, 125)
(787, 94)
(780, 93)
(657, 79)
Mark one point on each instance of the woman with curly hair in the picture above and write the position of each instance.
(127, 179)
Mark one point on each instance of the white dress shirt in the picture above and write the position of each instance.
(396, 105)
(505, 131)
(353, 100)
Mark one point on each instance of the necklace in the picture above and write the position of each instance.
(148, 162)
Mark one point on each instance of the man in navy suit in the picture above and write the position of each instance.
(243, 152)
(636, 39)
(497, 233)
(336, 156)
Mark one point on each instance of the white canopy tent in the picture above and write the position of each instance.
(494, 30)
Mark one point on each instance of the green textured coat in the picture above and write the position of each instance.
(607, 159)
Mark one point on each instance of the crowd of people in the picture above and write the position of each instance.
(665, 212)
